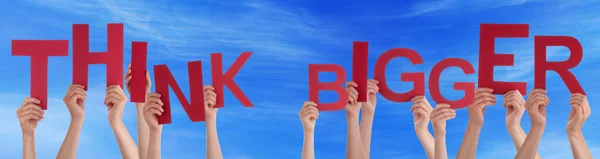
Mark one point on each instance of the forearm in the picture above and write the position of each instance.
(440, 145)
(366, 127)
(68, 150)
(143, 131)
(213, 148)
(308, 147)
(518, 136)
(427, 141)
(154, 144)
(126, 144)
(468, 149)
(28, 146)
(579, 146)
(354, 148)
(529, 148)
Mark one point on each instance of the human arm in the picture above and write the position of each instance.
(368, 114)
(440, 114)
(308, 116)
(354, 146)
(483, 98)
(421, 116)
(536, 104)
(29, 115)
(580, 112)
(152, 108)
(75, 101)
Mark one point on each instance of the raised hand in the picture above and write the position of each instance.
(128, 78)
(440, 114)
(74, 99)
(483, 98)
(353, 107)
(421, 116)
(515, 107)
(115, 101)
(372, 89)
(152, 108)
(210, 100)
(309, 115)
(536, 104)
(421, 113)
(579, 113)
(29, 114)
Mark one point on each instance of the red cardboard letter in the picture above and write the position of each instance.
(39, 51)
(113, 57)
(360, 63)
(138, 72)
(418, 78)
(562, 68)
(488, 59)
(219, 79)
(195, 108)
(314, 86)
(468, 87)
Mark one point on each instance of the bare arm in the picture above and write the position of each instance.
(152, 108)
(143, 131)
(421, 116)
(115, 101)
(29, 115)
(515, 107)
(68, 150)
(354, 148)
(368, 114)
(74, 99)
(213, 147)
(468, 149)
(308, 116)
(580, 112)
(483, 98)
(536, 105)
(518, 136)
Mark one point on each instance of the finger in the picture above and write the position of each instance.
(33, 108)
(373, 81)
(154, 111)
(442, 111)
(418, 104)
(211, 93)
(208, 87)
(578, 111)
(482, 99)
(417, 98)
(310, 103)
(443, 114)
(448, 117)
(31, 116)
(127, 78)
(156, 106)
(111, 101)
(351, 84)
(153, 95)
(480, 90)
(33, 100)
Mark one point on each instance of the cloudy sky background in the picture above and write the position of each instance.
(285, 37)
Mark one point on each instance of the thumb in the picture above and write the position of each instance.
(578, 111)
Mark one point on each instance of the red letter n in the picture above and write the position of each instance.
(488, 59)
(39, 51)
(314, 86)
(562, 67)
(195, 108)
(113, 57)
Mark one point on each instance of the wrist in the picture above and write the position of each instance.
(439, 132)
(474, 123)
(574, 133)
(116, 123)
(28, 135)
(351, 114)
(514, 129)
(309, 131)
(77, 120)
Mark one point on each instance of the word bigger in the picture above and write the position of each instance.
(40, 50)
(487, 60)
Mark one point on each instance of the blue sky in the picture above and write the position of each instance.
(286, 36)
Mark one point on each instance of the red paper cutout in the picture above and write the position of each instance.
(113, 57)
(138, 72)
(468, 87)
(360, 63)
(562, 67)
(314, 86)
(488, 58)
(39, 51)
(219, 79)
(418, 78)
(195, 108)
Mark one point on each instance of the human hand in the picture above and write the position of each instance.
(75, 101)
(29, 114)
(440, 114)
(483, 98)
(515, 107)
(115, 101)
(421, 112)
(579, 113)
(536, 104)
(353, 107)
(372, 89)
(309, 115)
(152, 108)
(128, 78)
(210, 99)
